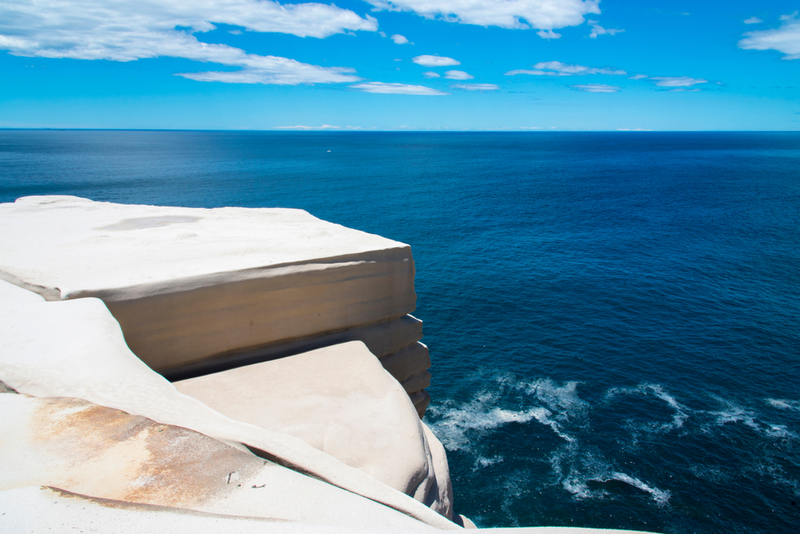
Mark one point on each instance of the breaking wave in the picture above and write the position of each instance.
(679, 416)
(783, 404)
(732, 413)
(586, 475)
(543, 401)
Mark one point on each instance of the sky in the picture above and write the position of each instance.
(516, 65)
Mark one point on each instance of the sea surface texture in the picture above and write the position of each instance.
(613, 318)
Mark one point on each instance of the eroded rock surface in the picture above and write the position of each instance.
(202, 289)
(76, 349)
(88, 449)
(339, 400)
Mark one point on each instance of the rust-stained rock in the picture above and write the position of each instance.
(91, 450)
(76, 349)
(339, 400)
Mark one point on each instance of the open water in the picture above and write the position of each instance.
(614, 318)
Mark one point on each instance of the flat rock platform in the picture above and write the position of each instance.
(200, 290)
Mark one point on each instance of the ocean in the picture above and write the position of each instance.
(613, 318)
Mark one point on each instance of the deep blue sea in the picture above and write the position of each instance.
(613, 318)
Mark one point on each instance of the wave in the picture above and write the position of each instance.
(680, 414)
(732, 413)
(482, 462)
(784, 404)
(454, 423)
(586, 468)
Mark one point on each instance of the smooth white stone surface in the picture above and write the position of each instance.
(187, 284)
(76, 349)
(101, 245)
(340, 400)
(87, 449)
(58, 511)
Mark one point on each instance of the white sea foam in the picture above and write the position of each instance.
(585, 467)
(563, 400)
(453, 424)
(482, 462)
(733, 414)
(680, 411)
(784, 404)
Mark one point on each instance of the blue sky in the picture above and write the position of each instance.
(401, 64)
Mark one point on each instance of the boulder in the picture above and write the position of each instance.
(339, 400)
(199, 290)
(76, 349)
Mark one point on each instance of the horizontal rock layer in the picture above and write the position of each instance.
(199, 290)
(76, 349)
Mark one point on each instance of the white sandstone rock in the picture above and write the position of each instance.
(340, 400)
(83, 448)
(188, 284)
(76, 349)
(60, 511)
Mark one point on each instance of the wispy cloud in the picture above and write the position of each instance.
(556, 68)
(127, 31)
(785, 39)
(684, 90)
(753, 20)
(599, 30)
(638, 77)
(596, 88)
(677, 81)
(544, 15)
(548, 34)
(396, 89)
(435, 61)
(458, 75)
(431, 74)
(399, 39)
(476, 86)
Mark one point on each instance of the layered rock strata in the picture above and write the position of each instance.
(202, 290)
(72, 356)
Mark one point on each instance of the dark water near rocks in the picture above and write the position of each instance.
(614, 318)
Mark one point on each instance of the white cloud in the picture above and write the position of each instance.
(599, 30)
(683, 90)
(476, 86)
(785, 39)
(753, 20)
(127, 31)
(556, 68)
(677, 81)
(548, 34)
(399, 39)
(513, 14)
(273, 70)
(396, 89)
(638, 77)
(431, 74)
(435, 61)
(596, 88)
(457, 75)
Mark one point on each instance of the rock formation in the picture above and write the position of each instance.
(197, 290)
(283, 421)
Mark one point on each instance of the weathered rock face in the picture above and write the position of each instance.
(88, 449)
(76, 349)
(341, 401)
(198, 290)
